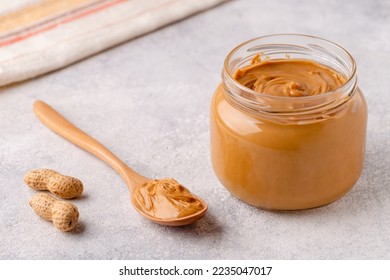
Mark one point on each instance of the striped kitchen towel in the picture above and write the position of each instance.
(38, 36)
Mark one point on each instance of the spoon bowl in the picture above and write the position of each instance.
(173, 222)
(56, 122)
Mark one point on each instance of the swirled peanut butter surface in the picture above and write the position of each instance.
(288, 77)
(166, 199)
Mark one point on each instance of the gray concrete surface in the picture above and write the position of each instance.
(148, 101)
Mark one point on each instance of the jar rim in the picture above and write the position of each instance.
(350, 79)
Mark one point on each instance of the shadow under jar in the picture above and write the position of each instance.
(288, 153)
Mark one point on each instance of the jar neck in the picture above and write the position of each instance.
(284, 108)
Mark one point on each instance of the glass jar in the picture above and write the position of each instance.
(288, 153)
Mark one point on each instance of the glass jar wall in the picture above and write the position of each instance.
(288, 153)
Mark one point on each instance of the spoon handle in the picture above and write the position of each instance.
(56, 122)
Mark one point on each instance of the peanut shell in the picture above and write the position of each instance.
(42, 204)
(65, 215)
(47, 179)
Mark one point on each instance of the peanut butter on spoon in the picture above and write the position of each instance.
(166, 199)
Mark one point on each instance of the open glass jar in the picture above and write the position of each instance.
(288, 153)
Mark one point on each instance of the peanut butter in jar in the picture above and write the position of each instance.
(288, 123)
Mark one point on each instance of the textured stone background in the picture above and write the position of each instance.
(148, 101)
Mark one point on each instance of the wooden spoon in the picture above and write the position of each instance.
(52, 119)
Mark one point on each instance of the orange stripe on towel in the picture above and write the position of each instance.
(35, 12)
(56, 24)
